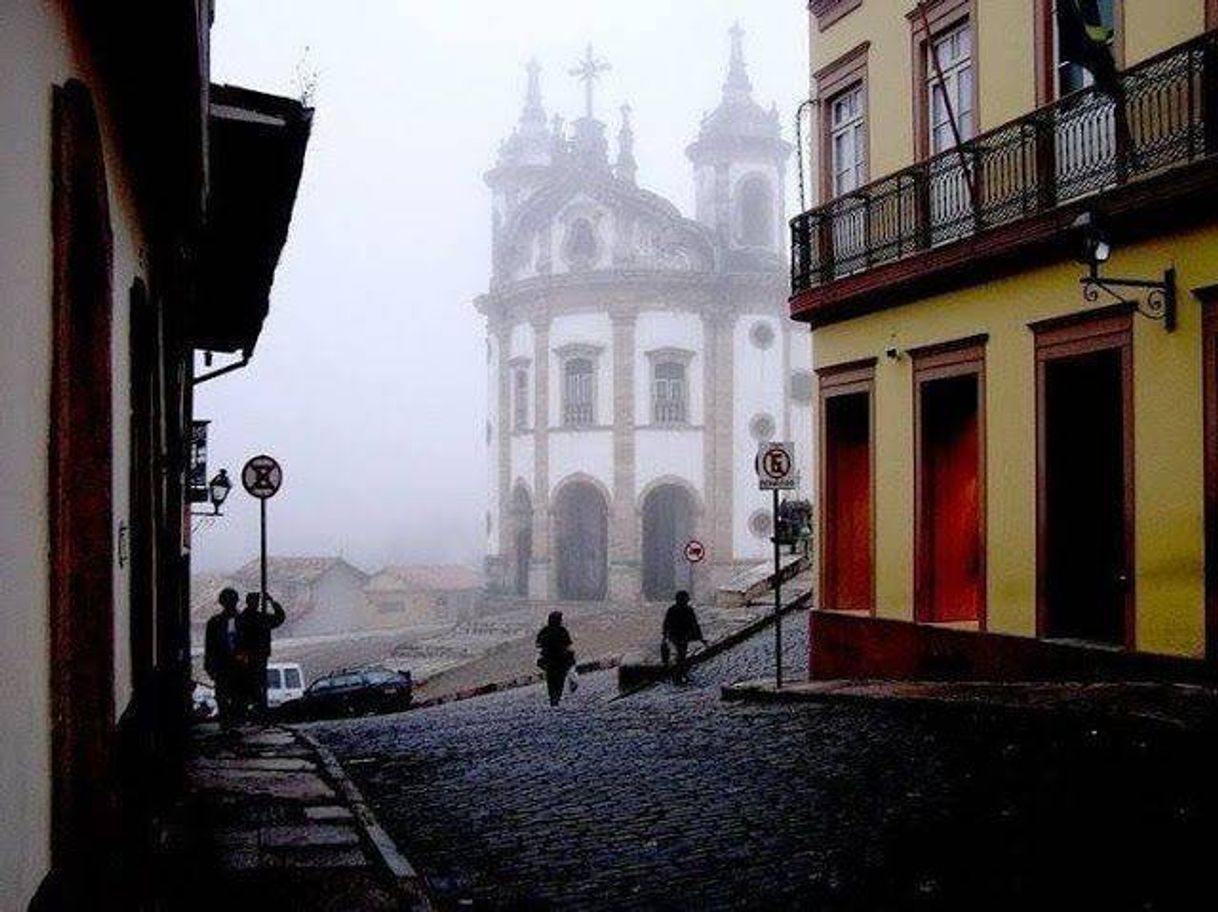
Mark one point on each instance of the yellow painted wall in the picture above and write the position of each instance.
(40, 47)
(1168, 426)
(1152, 26)
(1005, 54)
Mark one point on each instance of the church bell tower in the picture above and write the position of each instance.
(739, 163)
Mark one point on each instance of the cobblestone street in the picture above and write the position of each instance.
(670, 799)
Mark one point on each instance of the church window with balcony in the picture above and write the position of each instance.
(578, 408)
(668, 393)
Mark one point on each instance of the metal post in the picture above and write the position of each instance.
(777, 600)
(262, 602)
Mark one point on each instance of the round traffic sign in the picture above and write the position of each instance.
(695, 551)
(262, 477)
(776, 462)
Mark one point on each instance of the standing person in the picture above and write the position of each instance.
(220, 655)
(557, 657)
(254, 626)
(680, 629)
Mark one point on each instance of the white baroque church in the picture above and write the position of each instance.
(636, 357)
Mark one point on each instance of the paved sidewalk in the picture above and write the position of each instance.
(1182, 706)
(266, 822)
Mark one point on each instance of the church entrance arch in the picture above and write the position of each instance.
(582, 542)
(668, 523)
(522, 541)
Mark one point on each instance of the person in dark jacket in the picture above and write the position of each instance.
(680, 629)
(557, 657)
(254, 626)
(220, 655)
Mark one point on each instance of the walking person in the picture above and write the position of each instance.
(254, 626)
(557, 656)
(220, 655)
(680, 629)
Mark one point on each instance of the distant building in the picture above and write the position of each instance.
(636, 357)
(321, 595)
(1006, 447)
(324, 596)
(142, 214)
(422, 594)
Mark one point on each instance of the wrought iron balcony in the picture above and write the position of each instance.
(1163, 115)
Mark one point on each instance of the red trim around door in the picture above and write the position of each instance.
(1088, 332)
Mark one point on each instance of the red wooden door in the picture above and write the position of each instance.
(848, 558)
(951, 501)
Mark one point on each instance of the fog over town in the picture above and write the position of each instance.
(369, 383)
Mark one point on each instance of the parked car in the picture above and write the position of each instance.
(353, 692)
(284, 682)
(203, 701)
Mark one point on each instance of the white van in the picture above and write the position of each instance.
(284, 681)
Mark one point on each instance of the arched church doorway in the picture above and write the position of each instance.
(582, 540)
(522, 541)
(668, 523)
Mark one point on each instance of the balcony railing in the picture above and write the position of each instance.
(1164, 114)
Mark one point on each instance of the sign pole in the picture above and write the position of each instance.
(262, 504)
(261, 478)
(777, 601)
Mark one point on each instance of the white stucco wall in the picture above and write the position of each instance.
(38, 49)
(594, 329)
(666, 329)
(492, 446)
(660, 452)
(759, 388)
(589, 452)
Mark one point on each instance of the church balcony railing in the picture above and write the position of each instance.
(939, 217)
(577, 414)
(668, 411)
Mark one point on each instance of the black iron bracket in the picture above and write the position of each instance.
(1153, 300)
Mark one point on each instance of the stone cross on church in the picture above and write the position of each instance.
(588, 70)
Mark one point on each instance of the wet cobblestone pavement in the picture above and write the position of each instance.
(671, 799)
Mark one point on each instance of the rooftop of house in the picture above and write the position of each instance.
(426, 578)
(300, 570)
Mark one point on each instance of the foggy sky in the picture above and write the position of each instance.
(369, 381)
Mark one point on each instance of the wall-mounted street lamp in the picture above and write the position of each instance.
(217, 493)
(1155, 300)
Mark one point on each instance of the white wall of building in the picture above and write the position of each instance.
(492, 445)
(660, 452)
(39, 49)
(589, 452)
(759, 389)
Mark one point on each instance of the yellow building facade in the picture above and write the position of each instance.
(1004, 447)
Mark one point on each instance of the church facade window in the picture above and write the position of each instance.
(520, 396)
(761, 334)
(762, 427)
(578, 407)
(670, 385)
(578, 365)
(756, 212)
(581, 248)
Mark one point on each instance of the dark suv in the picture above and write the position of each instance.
(353, 692)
